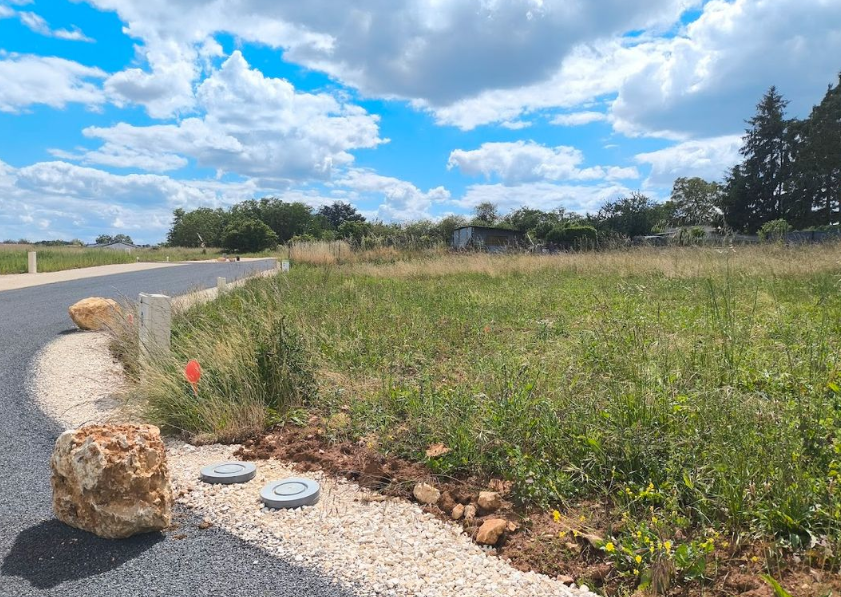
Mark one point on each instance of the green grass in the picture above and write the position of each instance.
(13, 258)
(691, 389)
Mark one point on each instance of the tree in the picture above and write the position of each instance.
(817, 166)
(339, 212)
(486, 213)
(353, 230)
(248, 235)
(203, 225)
(762, 184)
(636, 215)
(695, 202)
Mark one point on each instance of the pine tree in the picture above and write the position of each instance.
(763, 190)
(817, 172)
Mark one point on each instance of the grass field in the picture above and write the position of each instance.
(13, 257)
(694, 391)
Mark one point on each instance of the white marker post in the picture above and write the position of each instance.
(155, 325)
(33, 262)
(221, 285)
(284, 266)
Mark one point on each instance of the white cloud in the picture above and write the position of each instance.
(252, 125)
(543, 195)
(707, 158)
(28, 80)
(6, 12)
(526, 162)
(36, 23)
(401, 199)
(402, 48)
(710, 77)
(578, 118)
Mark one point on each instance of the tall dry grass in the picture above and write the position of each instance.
(671, 262)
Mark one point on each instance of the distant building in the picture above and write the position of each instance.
(486, 238)
(115, 246)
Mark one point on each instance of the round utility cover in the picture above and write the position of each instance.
(228, 472)
(290, 493)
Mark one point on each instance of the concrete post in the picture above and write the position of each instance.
(155, 325)
(284, 266)
(221, 285)
(33, 262)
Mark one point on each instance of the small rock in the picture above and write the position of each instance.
(566, 579)
(426, 493)
(489, 501)
(447, 503)
(436, 450)
(470, 513)
(458, 511)
(205, 524)
(490, 531)
(573, 547)
(94, 313)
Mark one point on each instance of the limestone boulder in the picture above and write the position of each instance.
(112, 480)
(94, 313)
(489, 501)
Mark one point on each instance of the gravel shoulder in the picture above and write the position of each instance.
(371, 544)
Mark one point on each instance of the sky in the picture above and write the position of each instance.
(115, 112)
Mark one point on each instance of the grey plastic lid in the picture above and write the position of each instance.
(290, 493)
(228, 472)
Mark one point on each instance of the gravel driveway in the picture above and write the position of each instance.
(41, 556)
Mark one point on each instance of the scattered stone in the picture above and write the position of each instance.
(447, 503)
(469, 513)
(491, 530)
(573, 547)
(489, 501)
(112, 480)
(205, 524)
(426, 494)
(436, 450)
(566, 579)
(94, 313)
(457, 512)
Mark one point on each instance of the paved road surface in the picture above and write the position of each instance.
(41, 556)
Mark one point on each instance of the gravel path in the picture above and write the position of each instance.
(41, 556)
(383, 546)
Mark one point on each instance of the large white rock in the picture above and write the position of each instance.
(112, 480)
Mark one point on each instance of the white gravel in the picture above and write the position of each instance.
(387, 546)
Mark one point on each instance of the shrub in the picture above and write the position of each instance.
(248, 235)
(774, 230)
(253, 370)
(575, 235)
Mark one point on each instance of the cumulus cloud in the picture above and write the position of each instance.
(713, 74)
(578, 118)
(52, 81)
(543, 195)
(403, 48)
(707, 158)
(253, 125)
(526, 162)
(36, 23)
(401, 200)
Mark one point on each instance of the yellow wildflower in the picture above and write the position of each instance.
(725, 544)
(556, 516)
(574, 533)
(610, 547)
(668, 545)
(638, 559)
(636, 572)
(654, 519)
(754, 559)
(651, 548)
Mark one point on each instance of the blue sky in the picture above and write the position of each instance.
(115, 112)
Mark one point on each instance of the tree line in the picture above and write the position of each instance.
(789, 176)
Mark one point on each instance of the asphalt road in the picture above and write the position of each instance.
(41, 556)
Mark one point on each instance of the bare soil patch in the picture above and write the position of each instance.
(566, 547)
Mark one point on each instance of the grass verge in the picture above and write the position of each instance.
(694, 392)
